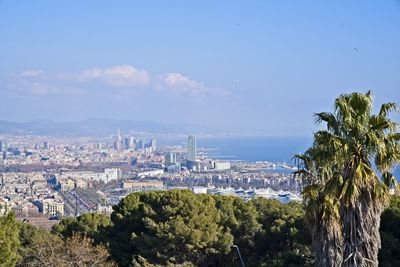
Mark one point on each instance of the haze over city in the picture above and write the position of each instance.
(262, 66)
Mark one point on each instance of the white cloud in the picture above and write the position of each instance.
(179, 83)
(35, 82)
(39, 88)
(182, 84)
(117, 76)
(30, 73)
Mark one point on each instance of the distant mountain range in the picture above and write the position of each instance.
(98, 126)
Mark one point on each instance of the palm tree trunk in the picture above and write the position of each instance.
(328, 243)
(361, 221)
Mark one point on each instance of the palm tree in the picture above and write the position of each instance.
(322, 214)
(347, 176)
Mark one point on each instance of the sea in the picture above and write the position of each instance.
(250, 148)
(273, 149)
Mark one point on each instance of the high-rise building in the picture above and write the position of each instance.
(153, 144)
(132, 143)
(46, 145)
(119, 138)
(140, 144)
(4, 146)
(117, 145)
(170, 159)
(1, 145)
(126, 143)
(191, 149)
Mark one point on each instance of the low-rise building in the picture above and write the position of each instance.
(222, 165)
(151, 173)
(133, 184)
(50, 206)
(66, 184)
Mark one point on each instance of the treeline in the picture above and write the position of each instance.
(179, 228)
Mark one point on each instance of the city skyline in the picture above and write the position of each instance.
(191, 148)
(260, 66)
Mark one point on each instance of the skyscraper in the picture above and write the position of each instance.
(46, 145)
(139, 144)
(191, 149)
(117, 145)
(119, 137)
(170, 158)
(153, 144)
(126, 143)
(132, 143)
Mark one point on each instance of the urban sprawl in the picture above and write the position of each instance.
(43, 179)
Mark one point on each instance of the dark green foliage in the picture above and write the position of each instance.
(9, 240)
(390, 234)
(180, 228)
(284, 239)
(176, 227)
(164, 227)
(240, 218)
(139, 261)
(91, 225)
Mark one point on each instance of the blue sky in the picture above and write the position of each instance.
(262, 66)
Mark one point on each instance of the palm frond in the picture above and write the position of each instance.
(386, 108)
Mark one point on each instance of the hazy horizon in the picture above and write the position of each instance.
(259, 66)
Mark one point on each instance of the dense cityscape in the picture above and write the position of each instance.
(44, 179)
